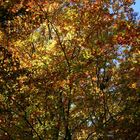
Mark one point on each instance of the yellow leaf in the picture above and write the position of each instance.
(133, 85)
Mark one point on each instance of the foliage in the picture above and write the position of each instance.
(69, 70)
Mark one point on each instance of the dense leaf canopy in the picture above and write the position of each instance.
(69, 70)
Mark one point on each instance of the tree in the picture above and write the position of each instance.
(69, 70)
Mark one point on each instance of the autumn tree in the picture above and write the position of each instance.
(69, 70)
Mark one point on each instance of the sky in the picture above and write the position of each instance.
(136, 7)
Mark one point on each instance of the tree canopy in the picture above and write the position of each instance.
(69, 70)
